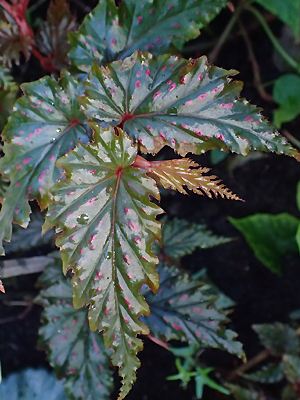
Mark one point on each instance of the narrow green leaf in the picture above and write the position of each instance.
(180, 238)
(187, 105)
(77, 354)
(47, 123)
(112, 32)
(183, 309)
(31, 384)
(278, 338)
(107, 225)
(270, 236)
(286, 94)
(288, 11)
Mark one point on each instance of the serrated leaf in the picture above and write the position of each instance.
(112, 32)
(291, 367)
(270, 236)
(12, 44)
(187, 105)
(77, 354)
(288, 11)
(270, 373)
(278, 338)
(47, 123)
(183, 309)
(31, 384)
(180, 238)
(182, 174)
(108, 225)
(52, 36)
(32, 237)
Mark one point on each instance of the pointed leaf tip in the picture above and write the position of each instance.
(188, 105)
(106, 226)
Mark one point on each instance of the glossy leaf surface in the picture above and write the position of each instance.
(184, 310)
(270, 236)
(76, 353)
(181, 237)
(107, 225)
(111, 32)
(187, 105)
(46, 123)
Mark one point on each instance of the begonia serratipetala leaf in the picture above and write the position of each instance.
(183, 309)
(77, 354)
(106, 226)
(185, 104)
(112, 32)
(46, 124)
(181, 237)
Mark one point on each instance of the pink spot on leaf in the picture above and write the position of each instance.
(27, 160)
(138, 84)
(140, 19)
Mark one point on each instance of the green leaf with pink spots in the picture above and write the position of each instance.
(110, 32)
(188, 105)
(46, 124)
(106, 227)
(185, 309)
(77, 354)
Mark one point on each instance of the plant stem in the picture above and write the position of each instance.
(260, 357)
(216, 50)
(288, 59)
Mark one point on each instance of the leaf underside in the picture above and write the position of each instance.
(183, 309)
(106, 226)
(110, 32)
(77, 354)
(182, 174)
(47, 123)
(187, 105)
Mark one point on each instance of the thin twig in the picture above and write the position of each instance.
(255, 66)
(20, 316)
(260, 357)
(277, 46)
(222, 39)
(291, 138)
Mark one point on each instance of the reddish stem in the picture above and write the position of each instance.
(159, 342)
(140, 162)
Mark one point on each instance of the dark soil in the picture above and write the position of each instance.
(267, 184)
